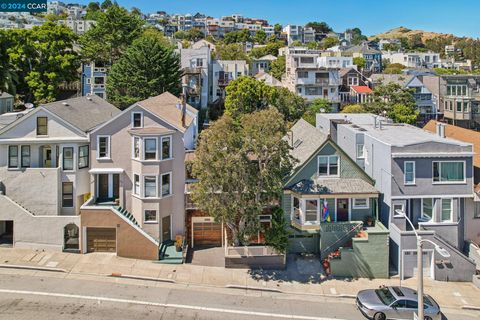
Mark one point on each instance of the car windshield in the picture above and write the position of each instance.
(427, 301)
(385, 296)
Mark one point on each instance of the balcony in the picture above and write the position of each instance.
(422, 96)
(192, 70)
(99, 86)
(223, 82)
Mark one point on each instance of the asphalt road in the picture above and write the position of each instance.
(43, 297)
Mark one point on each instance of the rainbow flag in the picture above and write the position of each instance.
(325, 212)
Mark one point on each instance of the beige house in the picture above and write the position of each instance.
(137, 178)
(44, 179)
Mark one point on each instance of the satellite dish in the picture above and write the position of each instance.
(28, 105)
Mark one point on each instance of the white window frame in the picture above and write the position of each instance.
(451, 210)
(139, 148)
(440, 173)
(423, 215)
(137, 189)
(150, 221)
(108, 156)
(405, 173)
(144, 144)
(161, 147)
(73, 158)
(169, 187)
(357, 206)
(303, 203)
(17, 157)
(133, 119)
(363, 151)
(328, 166)
(144, 189)
(398, 204)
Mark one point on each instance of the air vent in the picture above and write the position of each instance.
(297, 143)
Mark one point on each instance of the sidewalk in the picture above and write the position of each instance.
(297, 282)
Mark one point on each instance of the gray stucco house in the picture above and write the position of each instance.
(425, 175)
(332, 207)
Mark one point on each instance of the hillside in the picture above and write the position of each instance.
(402, 32)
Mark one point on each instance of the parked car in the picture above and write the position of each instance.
(395, 303)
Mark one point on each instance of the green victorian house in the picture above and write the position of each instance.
(332, 207)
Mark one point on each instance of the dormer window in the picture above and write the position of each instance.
(42, 126)
(137, 120)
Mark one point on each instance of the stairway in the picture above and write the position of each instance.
(127, 215)
(350, 231)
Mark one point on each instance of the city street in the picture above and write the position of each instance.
(48, 296)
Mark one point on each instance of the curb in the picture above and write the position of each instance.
(127, 276)
(23, 267)
(471, 308)
(233, 286)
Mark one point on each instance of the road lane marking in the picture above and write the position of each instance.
(166, 305)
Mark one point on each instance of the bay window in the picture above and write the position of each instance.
(83, 157)
(166, 148)
(136, 184)
(150, 151)
(311, 210)
(328, 165)
(447, 210)
(448, 171)
(136, 148)
(296, 208)
(427, 209)
(166, 184)
(150, 187)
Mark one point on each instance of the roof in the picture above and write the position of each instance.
(84, 113)
(361, 89)
(332, 186)
(4, 94)
(268, 78)
(344, 71)
(400, 79)
(166, 107)
(305, 139)
(268, 57)
(7, 118)
(150, 130)
(460, 134)
(363, 49)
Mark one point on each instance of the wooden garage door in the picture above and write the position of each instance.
(101, 240)
(207, 234)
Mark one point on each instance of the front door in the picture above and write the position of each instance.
(103, 186)
(47, 157)
(166, 234)
(342, 209)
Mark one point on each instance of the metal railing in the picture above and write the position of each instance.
(342, 240)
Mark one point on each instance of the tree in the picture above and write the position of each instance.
(8, 76)
(271, 48)
(312, 45)
(391, 47)
(239, 36)
(147, 68)
(106, 4)
(277, 67)
(155, 33)
(260, 37)
(357, 36)
(288, 103)
(394, 68)
(316, 106)
(114, 31)
(233, 51)
(277, 28)
(402, 114)
(43, 58)
(93, 11)
(359, 62)
(277, 235)
(194, 34)
(354, 108)
(136, 11)
(180, 35)
(329, 42)
(398, 102)
(93, 6)
(240, 166)
(319, 27)
(297, 43)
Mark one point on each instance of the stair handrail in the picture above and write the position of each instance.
(451, 247)
(347, 234)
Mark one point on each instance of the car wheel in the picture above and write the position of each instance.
(379, 316)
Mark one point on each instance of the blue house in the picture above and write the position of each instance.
(94, 79)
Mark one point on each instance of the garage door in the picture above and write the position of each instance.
(207, 234)
(101, 240)
(410, 264)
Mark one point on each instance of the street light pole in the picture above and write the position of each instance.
(420, 278)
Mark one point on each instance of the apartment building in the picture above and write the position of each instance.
(138, 178)
(77, 25)
(308, 76)
(94, 79)
(428, 60)
(372, 56)
(223, 72)
(44, 172)
(460, 99)
(425, 176)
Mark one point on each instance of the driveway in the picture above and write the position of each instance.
(206, 256)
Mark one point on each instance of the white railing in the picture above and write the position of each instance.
(250, 251)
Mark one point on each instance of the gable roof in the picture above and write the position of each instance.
(165, 107)
(364, 49)
(305, 140)
(267, 57)
(84, 113)
(333, 186)
(361, 89)
(461, 134)
(400, 79)
(4, 94)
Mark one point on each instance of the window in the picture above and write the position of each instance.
(13, 156)
(459, 106)
(399, 207)
(68, 158)
(447, 210)
(427, 209)
(311, 209)
(302, 74)
(136, 184)
(67, 194)
(199, 62)
(446, 172)
(83, 157)
(166, 184)
(166, 148)
(360, 151)
(150, 216)
(150, 187)
(103, 147)
(328, 165)
(42, 126)
(136, 147)
(476, 212)
(360, 203)
(296, 208)
(150, 145)
(25, 156)
(409, 172)
(137, 119)
(352, 81)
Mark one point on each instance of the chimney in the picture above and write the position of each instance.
(375, 122)
(440, 129)
(184, 103)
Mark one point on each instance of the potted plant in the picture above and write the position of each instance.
(369, 221)
(179, 243)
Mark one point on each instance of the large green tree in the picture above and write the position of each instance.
(319, 105)
(232, 51)
(115, 30)
(260, 37)
(43, 58)
(148, 68)
(240, 166)
(319, 27)
(8, 76)
(277, 67)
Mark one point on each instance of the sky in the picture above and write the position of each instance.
(460, 17)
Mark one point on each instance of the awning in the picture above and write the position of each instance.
(105, 170)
